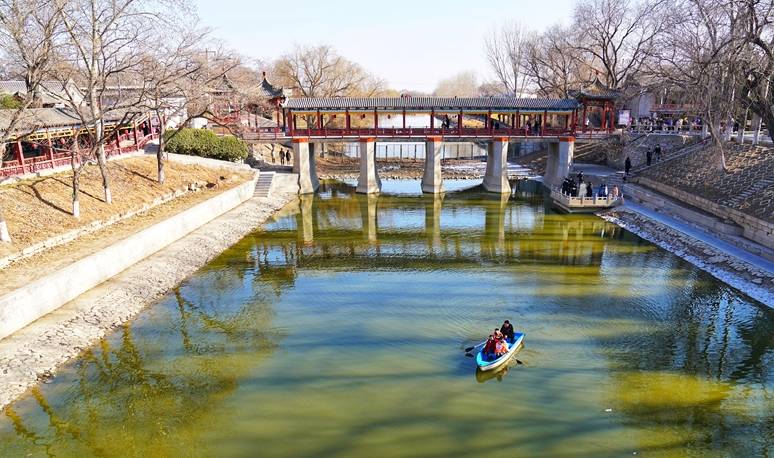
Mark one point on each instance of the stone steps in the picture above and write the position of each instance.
(263, 185)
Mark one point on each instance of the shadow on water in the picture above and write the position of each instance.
(347, 315)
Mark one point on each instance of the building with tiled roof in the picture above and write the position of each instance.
(53, 94)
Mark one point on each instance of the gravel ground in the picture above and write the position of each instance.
(33, 354)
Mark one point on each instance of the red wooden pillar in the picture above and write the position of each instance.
(459, 122)
(292, 123)
(432, 118)
(134, 134)
(50, 147)
(376, 119)
(404, 118)
(518, 120)
(347, 119)
(604, 117)
(488, 123)
(19, 152)
(319, 120)
(543, 124)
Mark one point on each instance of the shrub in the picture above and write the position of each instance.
(204, 143)
(231, 149)
(7, 101)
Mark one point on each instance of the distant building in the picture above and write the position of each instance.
(52, 94)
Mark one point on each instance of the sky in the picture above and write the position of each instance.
(412, 44)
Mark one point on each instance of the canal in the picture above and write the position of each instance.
(339, 330)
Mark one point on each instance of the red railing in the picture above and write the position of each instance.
(39, 163)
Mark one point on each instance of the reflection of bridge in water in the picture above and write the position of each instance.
(464, 228)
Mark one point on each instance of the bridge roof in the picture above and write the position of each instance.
(428, 103)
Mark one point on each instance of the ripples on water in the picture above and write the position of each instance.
(339, 329)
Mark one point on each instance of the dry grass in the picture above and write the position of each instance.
(41, 208)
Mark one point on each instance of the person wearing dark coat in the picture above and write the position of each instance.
(649, 156)
(627, 167)
(589, 189)
(507, 330)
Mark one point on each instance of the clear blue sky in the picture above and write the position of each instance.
(411, 43)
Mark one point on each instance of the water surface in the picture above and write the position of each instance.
(339, 331)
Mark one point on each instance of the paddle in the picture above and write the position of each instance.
(474, 346)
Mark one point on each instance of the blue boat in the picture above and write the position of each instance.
(486, 364)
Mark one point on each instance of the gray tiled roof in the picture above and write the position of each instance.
(426, 103)
(52, 92)
(269, 90)
(38, 119)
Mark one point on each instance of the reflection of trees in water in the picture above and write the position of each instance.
(686, 372)
(144, 389)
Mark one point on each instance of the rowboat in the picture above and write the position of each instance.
(486, 364)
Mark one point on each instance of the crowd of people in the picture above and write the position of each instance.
(497, 343)
(580, 187)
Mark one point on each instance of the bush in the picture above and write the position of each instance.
(204, 143)
(7, 101)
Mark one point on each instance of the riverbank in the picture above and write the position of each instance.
(33, 354)
(750, 274)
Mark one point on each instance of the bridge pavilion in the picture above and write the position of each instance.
(495, 121)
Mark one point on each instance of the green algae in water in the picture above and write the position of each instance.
(339, 331)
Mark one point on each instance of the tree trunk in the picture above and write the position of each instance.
(76, 184)
(102, 161)
(160, 154)
(4, 235)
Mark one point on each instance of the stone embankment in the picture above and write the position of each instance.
(34, 353)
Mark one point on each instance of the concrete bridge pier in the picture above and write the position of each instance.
(559, 159)
(369, 182)
(304, 166)
(368, 215)
(496, 177)
(432, 180)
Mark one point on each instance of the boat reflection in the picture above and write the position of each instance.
(485, 376)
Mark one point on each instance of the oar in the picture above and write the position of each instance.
(474, 346)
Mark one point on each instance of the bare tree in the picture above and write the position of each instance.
(505, 50)
(700, 55)
(618, 36)
(757, 59)
(551, 63)
(28, 36)
(179, 78)
(318, 71)
(464, 84)
(104, 49)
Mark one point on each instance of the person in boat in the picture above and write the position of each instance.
(507, 330)
(497, 334)
(501, 346)
(491, 346)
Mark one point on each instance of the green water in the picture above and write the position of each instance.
(339, 331)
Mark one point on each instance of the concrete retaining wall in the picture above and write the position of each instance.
(25, 305)
(754, 229)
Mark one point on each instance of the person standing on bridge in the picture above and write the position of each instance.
(649, 156)
(627, 168)
(658, 152)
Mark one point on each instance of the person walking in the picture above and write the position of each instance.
(649, 156)
(658, 153)
(582, 189)
(627, 167)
